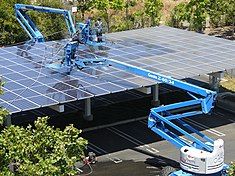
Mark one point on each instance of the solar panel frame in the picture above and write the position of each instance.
(169, 51)
(33, 88)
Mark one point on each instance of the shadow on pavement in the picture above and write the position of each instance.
(150, 167)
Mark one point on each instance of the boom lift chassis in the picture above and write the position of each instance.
(202, 156)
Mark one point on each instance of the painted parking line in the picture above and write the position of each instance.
(94, 150)
(186, 140)
(204, 127)
(219, 114)
(222, 115)
(231, 120)
(133, 140)
(99, 150)
(145, 122)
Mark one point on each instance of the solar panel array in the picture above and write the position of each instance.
(174, 52)
(177, 53)
(29, 85)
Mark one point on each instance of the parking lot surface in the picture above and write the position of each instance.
(133, 149)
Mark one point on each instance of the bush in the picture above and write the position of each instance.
(39, 151)
(231, 171)
(220, 13)
(42, 150)
(178, 15)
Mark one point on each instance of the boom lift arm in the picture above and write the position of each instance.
(201, 156)
(29, 26)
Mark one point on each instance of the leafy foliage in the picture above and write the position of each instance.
(153, 10)
(52, 26)
(108, 8)
(85, 6)
(42, 150)
(220, 13)
(178, 15)
(10, 30)
(3, 111)
(231, 171)
(196, 12)
(39, 151)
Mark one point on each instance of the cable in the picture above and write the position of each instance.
(40, 71)
(47, 36)
(91, 170)
(42, 61)
(15, 44)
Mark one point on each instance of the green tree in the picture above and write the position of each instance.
(220, 13)
(178, 15)
(196, 13)
(219, 9)
(108, 8)
(3, 111)
(52, 26)
(85, 6)
(153, 10)
(129, 18)
(42, 150)
(229, 7)
(231, 171)
(10, 30)
(128, 4)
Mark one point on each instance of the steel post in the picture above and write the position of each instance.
(7, 120)
(155, 90)
(214, 80)
(87, 113)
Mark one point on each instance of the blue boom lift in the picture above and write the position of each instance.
(84, 35)
(202, 156)
(29, 26)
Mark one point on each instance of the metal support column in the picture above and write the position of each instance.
(155, 90)
(87, 114)
(7, 120)
(214, 80)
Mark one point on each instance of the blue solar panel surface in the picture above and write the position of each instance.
(174, 52)
(177, 53)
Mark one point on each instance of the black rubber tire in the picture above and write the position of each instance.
(167, 171)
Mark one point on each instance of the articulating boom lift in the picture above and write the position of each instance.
(85, 33)
(203, 156)
(84, 36)
(29, 26)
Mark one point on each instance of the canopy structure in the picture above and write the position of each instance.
(169, 51)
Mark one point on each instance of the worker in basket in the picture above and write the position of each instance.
(99, 28)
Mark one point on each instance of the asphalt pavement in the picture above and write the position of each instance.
(133, 149)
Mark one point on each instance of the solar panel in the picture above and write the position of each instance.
(173, 52)
(169, 51)
(29, 85)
